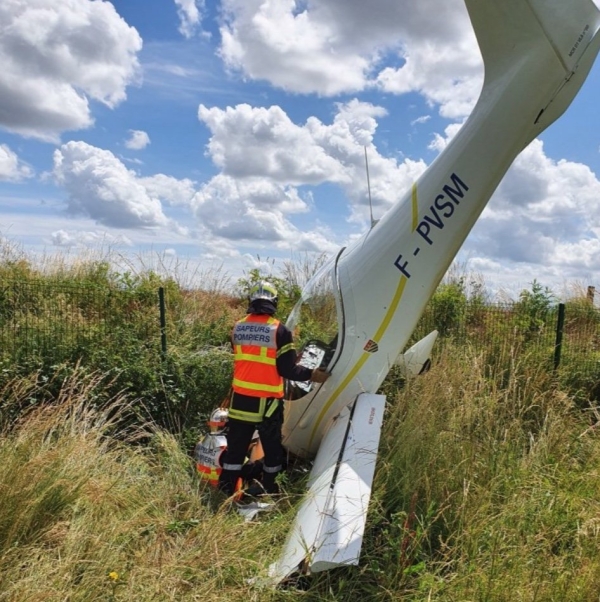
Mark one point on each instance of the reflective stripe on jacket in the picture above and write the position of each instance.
(252, 409)
(255, 373)
(209, 473)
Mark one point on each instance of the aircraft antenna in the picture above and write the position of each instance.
(373, 222)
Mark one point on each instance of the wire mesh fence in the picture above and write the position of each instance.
(54, 322)
(563, 337)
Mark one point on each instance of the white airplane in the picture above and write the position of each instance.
(537, 54)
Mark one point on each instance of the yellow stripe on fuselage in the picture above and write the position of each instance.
(364, 357)
(415, 207)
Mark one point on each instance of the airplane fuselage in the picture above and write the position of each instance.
(386, 278)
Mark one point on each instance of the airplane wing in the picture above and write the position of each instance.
(329, 526)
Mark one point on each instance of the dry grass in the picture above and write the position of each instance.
(78, 503)
(483, 492)
(502, 483)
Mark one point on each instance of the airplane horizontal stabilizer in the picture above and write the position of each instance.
(416, 360)
(329, 526)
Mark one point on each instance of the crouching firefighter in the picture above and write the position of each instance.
(263, 355)
(209, 451)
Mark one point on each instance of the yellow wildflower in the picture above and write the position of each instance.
(113, 575)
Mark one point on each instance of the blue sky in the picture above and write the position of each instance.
(225, 135)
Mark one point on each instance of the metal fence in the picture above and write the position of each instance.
(53, 322)
(563, 337)
(56, 322)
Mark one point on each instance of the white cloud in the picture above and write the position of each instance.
(420, 120)
(137, 140)
(447, 70)
(12, 169)
(190, 16)
(252, 211)
(249, 142)
(101, 187)
(249, 209)
(87, 238)
(545, 214)
(293, 50)
(439, 142)
(337, 46)
(55, 57)
(169, 189)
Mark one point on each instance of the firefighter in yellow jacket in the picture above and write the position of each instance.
(263, 355)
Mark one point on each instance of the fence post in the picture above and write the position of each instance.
(163, 322)
(559, 334)
(591, 291)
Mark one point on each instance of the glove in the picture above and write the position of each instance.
(319, 375)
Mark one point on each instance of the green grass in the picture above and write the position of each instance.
(81, 500)
(481, 493)
(487, 485)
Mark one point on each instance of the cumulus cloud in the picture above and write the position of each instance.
(254, 211)
(137, 140)
(169, 189)
(101, 187)
(544, 213)
(12, 169)
(249, 142)
(87, 238)
(190, 16)
(250, 209)
(330, 47)
(55, 57)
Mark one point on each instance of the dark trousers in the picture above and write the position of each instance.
(239, 437)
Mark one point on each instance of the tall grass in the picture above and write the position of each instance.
(489, 492)
(482, 492)
(88, 513)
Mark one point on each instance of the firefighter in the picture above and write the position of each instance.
(263, 355)
(209, 451)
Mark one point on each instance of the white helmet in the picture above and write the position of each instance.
(218, 420)
(263, 290)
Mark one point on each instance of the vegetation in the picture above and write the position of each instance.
(486, 485)
(482, 492)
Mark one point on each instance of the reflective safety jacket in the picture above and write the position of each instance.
(254, 340)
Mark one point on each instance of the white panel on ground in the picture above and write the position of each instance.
(328, 529)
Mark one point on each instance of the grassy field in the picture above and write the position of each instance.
(480, 493)
(487, 485)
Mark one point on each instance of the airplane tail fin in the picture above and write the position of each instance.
(506, 29)
(562, 36)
